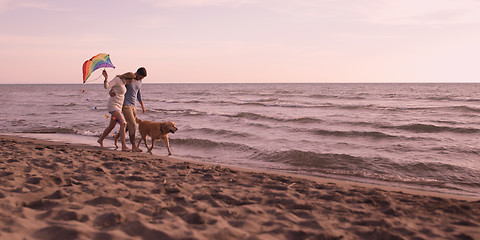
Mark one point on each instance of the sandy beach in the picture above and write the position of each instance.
(53, 190)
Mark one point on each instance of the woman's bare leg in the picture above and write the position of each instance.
(119, 118)
(107, 131)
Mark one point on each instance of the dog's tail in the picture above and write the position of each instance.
(138, 120)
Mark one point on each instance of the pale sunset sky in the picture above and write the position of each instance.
(212, 41)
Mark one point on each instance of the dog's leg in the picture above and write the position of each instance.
(139, 141)
(153, 144)
(167, 143)
(145, 141)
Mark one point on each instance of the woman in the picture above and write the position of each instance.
(115, 104)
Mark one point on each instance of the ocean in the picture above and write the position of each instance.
(418, 136)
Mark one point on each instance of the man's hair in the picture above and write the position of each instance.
(142, 71)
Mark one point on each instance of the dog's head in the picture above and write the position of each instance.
(170, 127)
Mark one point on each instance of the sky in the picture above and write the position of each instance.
(225, 41)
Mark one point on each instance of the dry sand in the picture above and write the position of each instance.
(51, 190)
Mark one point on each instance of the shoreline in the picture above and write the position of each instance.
(76, 191)
(319, 179)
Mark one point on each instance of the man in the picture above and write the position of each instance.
(129, 108)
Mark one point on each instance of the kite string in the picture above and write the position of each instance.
(96, 79)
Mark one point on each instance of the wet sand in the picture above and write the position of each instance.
(53, 190)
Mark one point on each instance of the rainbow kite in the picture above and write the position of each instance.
(101, 60)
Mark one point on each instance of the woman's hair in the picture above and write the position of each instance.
(128, 75)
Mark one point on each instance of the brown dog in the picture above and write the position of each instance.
(156, 130)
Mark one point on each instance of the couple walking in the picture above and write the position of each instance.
(125, 90)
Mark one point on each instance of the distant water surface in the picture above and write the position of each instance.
(422, 136)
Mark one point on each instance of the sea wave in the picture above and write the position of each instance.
(205, 143)
(181, 112)
(430, 174)
(461, 108)
(57, 94)
(18, 122)
(313, 159)
(267, 100)
(430, 128)
(324, 96)
(189, 101)
(262, 102)
(465, 109)
(279, 105)
(61, 113)
(333, 164)
(256, 116)
(453, 99)
(276, 103)
(65, 105)
(431, 167)
(442, 172)
(370, 134)
(200, 93)
(222, 132)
